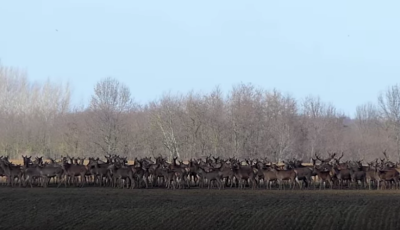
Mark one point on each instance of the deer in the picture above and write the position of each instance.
(51, 171)
(323, 173)
(284, 175)
(98, 170)
(31, 171)
(38, 161)
(302, 173)
(140, 174)
(269, 175)
(371, 174)
(388, 175)
(120, 173)
(156, 172)
(329, 159)
(169, 176)
(211, 176)
(181, 172)
(2, 173)
(73, 170)
(244, 174)
(11, 171)
(192, 171)
(357, 173)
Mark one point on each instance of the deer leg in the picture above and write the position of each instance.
(120, 182)
(26, 180)
(60, 181)
(146, 182)
(294, 182)
(65, 180)
(30, 182)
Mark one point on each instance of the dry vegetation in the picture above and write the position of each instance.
(246, 122)
(38, 119)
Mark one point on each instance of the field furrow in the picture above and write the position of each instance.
(93, 208)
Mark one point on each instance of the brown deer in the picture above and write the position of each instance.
(211, 177)
(140, 173)
(285, 175)
(388, 175)
(323, 173)
(244, 173)
(269, 176)
(303, 174)
(169, 176)
(11, 171)
(120, 174)
(357, 173)
(72, 171)
(98, 170)
(371, 175)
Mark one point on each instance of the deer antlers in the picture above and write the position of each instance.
(331, 157)
(340, 157)
(323, 160)
(386, 156)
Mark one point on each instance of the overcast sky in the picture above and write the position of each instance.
(344, 51)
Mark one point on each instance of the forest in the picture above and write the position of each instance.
(39, 119)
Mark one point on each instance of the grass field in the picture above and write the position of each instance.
(94, 208)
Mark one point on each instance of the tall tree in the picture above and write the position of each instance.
(109, 105)
(281, 117)
(167, 117)
(317, 115)
(389, 103)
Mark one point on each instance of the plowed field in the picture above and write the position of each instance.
(103, 208)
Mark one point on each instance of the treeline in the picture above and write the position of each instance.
(38, 119)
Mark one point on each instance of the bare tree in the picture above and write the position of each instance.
(36, 118)
(194, 119)
(109, 104)
(30, 110)
(281, 115)
(216, 124)
(368, 132)
(389, 103)
(166, 117)
(315, 118)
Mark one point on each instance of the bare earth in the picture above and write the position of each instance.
(106, 208)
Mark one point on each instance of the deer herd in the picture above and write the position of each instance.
(211, 172)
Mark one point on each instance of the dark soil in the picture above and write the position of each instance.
(106, 208)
